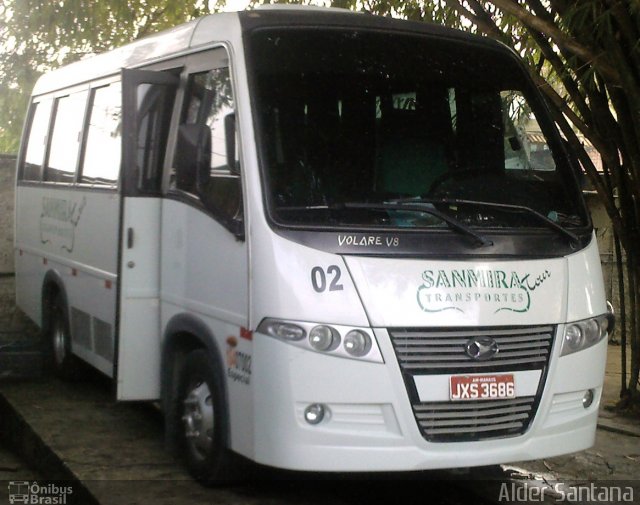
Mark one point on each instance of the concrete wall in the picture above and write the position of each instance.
(7, 179)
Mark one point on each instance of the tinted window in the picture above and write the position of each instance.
(155, 103)
(65, 138)
(36, 141)
(363, 118)
(202, 161)
(104, 136)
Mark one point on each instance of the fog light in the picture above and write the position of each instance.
(314, 413)
(587, 399)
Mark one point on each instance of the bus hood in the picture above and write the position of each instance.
(416, 293)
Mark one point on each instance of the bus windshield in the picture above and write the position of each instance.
(374, 129)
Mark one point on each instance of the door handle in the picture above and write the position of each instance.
(129, 238)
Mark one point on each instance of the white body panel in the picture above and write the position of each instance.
(282, 285)
(205, 273)
(408, 292)
(215, 287)
(585, 284)
(139, 344)
(57, 233)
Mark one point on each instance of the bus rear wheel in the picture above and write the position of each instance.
(63, 363)
(203, 421)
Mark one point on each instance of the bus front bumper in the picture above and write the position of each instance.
(369, 424)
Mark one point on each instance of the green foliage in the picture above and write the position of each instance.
(13, 104)
(39, 35)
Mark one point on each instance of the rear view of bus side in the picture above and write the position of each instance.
(324, 241)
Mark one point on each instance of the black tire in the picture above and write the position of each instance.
(58, 341)
(203, 421)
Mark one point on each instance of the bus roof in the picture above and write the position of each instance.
(167, 43)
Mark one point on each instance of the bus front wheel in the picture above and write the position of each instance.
(203, 421)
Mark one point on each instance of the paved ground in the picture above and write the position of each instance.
(616, 454)
(12, 468)
(20, 355)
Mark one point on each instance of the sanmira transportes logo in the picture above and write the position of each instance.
(464, 289)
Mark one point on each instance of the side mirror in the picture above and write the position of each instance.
(230, 139)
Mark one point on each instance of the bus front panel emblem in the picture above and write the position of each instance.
(481, 348)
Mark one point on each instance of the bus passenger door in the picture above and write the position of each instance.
(148, 101)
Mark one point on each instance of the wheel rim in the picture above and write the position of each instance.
(59, 342)
(198, 419)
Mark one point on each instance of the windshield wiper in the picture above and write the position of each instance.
(420, 206)
(503, 206)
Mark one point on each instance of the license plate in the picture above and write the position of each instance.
(481, 387)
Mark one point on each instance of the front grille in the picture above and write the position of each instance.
(442, 351)
(422, 351)
(474, 420)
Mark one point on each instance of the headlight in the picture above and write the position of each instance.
(573, 337)
(285, 331)
(357, 343)
(324, 338)
(584, 334)
(592, 332)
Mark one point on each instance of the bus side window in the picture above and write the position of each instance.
(65, 138)
(155, 104)
(36, 141)
(101, 161)
(202, 164)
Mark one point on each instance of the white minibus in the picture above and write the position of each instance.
(321, 240)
